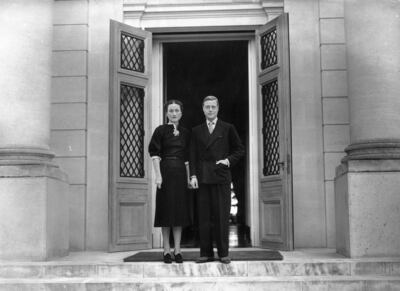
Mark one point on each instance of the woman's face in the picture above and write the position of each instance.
(174, 113)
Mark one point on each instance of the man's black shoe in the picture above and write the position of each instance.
(225, 260)
(201, 260)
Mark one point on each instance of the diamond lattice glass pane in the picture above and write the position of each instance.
(131, 132)
(132, 53)
(270, 128)
(269, 49)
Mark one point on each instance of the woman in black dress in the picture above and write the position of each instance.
(168, 149)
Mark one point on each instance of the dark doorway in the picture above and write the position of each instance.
(193, 70)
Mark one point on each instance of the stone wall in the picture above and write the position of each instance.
(69, 106)
(335, 105)
(79, 113)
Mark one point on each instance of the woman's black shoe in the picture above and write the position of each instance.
(178, 258)
(167, 258)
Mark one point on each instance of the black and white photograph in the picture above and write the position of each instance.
(200, 145)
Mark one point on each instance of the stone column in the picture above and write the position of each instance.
(368, 180)
(33, 201)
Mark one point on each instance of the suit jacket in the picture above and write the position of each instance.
(206, 149)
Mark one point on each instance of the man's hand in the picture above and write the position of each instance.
(158, 181)
(194, 183)
(224, 162)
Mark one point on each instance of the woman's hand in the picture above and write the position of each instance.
(158, 181)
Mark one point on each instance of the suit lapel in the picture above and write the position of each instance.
(215, 134)
(204, 133)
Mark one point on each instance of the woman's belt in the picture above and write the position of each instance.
(171, 158)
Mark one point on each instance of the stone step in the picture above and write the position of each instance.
(301, 283)
(239, 269)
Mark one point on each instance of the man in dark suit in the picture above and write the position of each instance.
(215, 147)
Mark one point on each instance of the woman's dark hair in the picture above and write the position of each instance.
(173, 101)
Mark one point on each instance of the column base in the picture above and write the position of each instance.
(34, 207)
(367, 201)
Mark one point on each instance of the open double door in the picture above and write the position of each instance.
(130, 216)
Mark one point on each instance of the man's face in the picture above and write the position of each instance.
(210, 109)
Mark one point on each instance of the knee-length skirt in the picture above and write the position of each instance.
(172, 200)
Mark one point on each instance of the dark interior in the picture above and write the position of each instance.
(193, 70)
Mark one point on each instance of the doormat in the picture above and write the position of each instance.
(262, 255)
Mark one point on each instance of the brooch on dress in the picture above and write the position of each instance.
(175, 132)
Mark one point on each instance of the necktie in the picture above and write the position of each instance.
(210, 126)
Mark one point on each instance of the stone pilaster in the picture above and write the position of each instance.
(367, 182)
(33, 190)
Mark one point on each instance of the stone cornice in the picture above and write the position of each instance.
(148, 14)
(25, 156)
(375, 155)
(374, 149)
(18, 162)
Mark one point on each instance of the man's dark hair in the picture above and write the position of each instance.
(210, 98)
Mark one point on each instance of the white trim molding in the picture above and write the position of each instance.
(201, 14)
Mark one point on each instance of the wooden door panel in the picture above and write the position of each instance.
(129, 197)
(132, 232)
(275, 182)
(271, 203)
(272, 218)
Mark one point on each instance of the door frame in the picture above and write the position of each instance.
(156, 104)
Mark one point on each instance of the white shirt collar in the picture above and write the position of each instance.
(212, 121)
